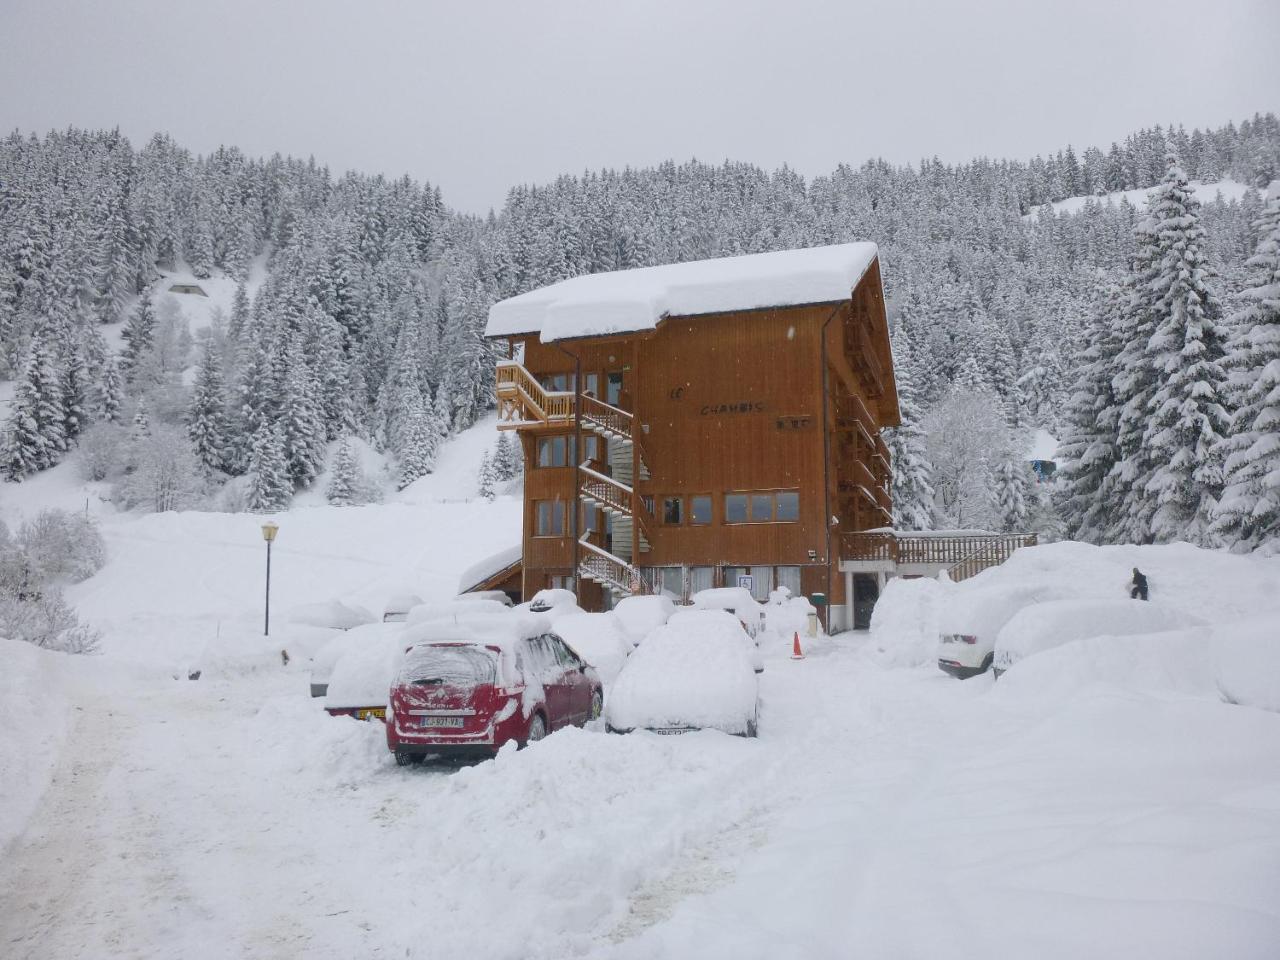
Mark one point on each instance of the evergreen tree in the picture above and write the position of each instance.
(269, 488)
(911, 488)
(1012, 492)
(1188, 416)
(206, 418)
(110, 391)
(486, 478)
(35, 435)
(302, 422)
(139, 337)
(506, 459)
(1248, 514)
(418, 447)
(345, 482)
(1087, 454)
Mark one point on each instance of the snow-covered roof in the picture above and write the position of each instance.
(600, 304)
(481, 571)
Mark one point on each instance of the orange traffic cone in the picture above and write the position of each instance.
(796, 652)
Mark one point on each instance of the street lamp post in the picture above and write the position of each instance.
(269, 530)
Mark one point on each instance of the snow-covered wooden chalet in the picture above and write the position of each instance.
(701, 424)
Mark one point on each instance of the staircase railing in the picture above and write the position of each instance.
(611, 419)
(600, 564)
(516, 384)
(613, 494)
(990, 554)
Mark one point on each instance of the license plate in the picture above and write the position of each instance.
(671, 731)
(379, 713)
(441, 721)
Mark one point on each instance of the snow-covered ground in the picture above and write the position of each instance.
(1205, 192)
(1103, 799)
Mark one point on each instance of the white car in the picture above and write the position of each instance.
(720, 621)
(1043, 626)
(641, 615)
(361, 678)
(736, 600)
(327, 657)
(599, 639)
(969, 625)
(683, 678)
(398, 607)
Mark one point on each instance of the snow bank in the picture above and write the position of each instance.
(695, 673)
(333, 614)
(1246, 661)
(642, 615)
(1205, 193)
(597, 638)
(785, 617)
(626, 300)
(34, 721)
(905, 622)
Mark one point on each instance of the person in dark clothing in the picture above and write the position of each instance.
(1139, 591)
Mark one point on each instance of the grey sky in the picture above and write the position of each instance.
(477, 96)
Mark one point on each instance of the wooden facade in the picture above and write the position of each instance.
(679, 457)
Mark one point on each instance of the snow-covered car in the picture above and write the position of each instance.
(456, 609)
(470, 688)
(496, 596)
(332, 614)
(1054, 623)
(687, 677)
(641, 615)
(693, 621)
(327, 657)
(361, 679)
(554, 602)
(398, 607)
(597, 638)
(736, 600)
(970, 623)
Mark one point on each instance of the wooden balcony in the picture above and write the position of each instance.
(962, 554)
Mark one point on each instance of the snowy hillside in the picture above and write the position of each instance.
(1227, 190)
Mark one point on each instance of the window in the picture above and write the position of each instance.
(613, 387)
(780, 507)
(568, 659)
(788, 506)
(560, 582)
(670, 580)
(673, 510)
(700, 510)
(590, 518)
(549, 518)
(701, 578)
(592, 447)
(553, 451)
(729, 576)
(735, 508)
(761, 507)
(591, 384)
(761, 582)
(789, 577)
(556, 382)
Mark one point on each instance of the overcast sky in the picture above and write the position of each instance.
(478, 96)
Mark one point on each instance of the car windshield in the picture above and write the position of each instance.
(455, 665)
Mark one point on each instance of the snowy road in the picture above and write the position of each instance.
(230, 818)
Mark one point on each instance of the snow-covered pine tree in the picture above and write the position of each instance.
(485, 480)
(345, 482)
(302, 421)
(1087, 452)
(1188, 417)
(1012, 492)
(270, 487)
(74, 385)
(110, 391)
(139, 336)
(910, 488)
(35, 435)
(418, 445)
(1248, 514)
(506, 460)
(206, 418)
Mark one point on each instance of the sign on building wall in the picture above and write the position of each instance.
(747, 582)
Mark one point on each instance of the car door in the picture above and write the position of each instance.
(551, 675)
(576, 682)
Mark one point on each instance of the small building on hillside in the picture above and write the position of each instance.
(705, 424)
(191, 288)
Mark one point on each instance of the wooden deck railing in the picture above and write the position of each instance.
(600, 564)
(517, 387)
(968, 553)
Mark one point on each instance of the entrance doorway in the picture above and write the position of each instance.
(613, 388)
(866, 591)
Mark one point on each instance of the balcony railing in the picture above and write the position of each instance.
(963, 554)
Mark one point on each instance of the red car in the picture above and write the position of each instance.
(471, 695)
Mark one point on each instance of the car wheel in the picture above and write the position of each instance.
(597, 705)
(406, 759)
(537, 729)
(987, 661)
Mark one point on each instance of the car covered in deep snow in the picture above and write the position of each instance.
(471, 687)
(554, 602)
(362, 676)
(398, 607)
(736, 600)
(1054, 623)
(722, 621)
(357, 638)
(970, 623)
(688, 675)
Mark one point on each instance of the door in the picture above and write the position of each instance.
(866, 591)
(551, 675)
(613, 388)
(575, 681)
